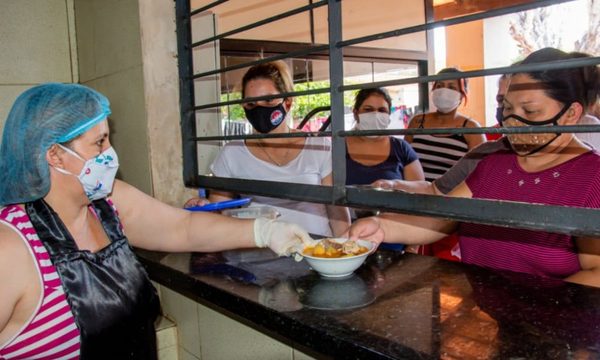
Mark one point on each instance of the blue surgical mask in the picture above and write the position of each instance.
(98, 173)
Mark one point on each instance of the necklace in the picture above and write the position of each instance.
(285, 155)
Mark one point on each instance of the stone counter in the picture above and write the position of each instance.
(395, 306)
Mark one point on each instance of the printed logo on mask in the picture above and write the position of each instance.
(276, 117)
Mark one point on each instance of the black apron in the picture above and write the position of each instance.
(109, 292)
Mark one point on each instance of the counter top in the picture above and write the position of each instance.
(394, 306)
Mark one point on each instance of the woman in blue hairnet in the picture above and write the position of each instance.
(71, 285)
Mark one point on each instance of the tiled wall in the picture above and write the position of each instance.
(110, 60)
(206, 334)
(37, 47)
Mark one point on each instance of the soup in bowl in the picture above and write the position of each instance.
(337, 257)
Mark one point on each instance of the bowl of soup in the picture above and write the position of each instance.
(337, 257)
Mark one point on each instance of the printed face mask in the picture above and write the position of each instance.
(527, 144)
(264, 119)
(98, 173)
(445, 100)
(374, 120)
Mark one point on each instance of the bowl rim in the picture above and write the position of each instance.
(371, 250)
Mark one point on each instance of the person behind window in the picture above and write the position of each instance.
(369, 158)
(438, 153)
(459, 171)
(304, 160)
(503, 82)
(71, 284)
(545, 168)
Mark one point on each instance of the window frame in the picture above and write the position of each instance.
(560, 219)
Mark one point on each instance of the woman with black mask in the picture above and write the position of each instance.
(295, 160)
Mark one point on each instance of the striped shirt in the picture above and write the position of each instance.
(439, 153)
(50, 332)
(575, 183)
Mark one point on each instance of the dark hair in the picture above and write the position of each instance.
(463, 83)
(364, 94)
(581, 84)
(276, 71)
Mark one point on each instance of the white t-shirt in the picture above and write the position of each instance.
(592, 138)
(309, 167)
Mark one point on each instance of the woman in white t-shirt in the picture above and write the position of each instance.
(294, 160)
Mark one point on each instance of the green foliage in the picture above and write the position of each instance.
(302, 104)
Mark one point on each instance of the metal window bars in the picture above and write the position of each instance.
(560, 219)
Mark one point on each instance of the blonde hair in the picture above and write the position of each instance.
(276, 71)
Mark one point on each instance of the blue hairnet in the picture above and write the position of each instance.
(40, 117)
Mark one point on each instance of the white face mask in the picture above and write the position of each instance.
(98, 173)
(374, 120)
(445, 100)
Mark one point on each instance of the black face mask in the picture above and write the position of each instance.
(538, 142)
(499, 115)
(264, 119)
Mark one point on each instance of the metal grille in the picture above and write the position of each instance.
(576, 221)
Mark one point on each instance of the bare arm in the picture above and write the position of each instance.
(17, 273)
(407, 229)
(339, 216)
(153, 225)
(589, 258)
(413, 171)
(474, 140)
(413, 123)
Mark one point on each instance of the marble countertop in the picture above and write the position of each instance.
(394, 306)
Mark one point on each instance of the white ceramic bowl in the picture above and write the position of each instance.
(339, 267)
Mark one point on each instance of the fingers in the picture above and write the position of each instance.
(196, 201)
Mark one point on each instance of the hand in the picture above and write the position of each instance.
(367, 229)
(196, 201)
(283, 238)
(383, 184)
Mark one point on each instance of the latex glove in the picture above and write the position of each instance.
(283, 238)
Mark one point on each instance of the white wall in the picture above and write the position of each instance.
(38, 45)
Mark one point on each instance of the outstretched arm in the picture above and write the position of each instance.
(406, 229)
(153, 225)
(339, 216)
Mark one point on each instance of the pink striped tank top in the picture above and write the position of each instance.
(51, 332)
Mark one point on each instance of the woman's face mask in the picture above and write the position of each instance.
(373, 120)
(527, 144)
(264, 119)
(98, 173)
(445, 100)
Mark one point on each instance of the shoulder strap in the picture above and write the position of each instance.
(422, 122)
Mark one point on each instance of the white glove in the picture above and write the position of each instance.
(283, 238)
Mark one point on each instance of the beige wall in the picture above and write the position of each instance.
(381, 15)
(38, 46)
(161, 94)
(110, 60)
(464, 49)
